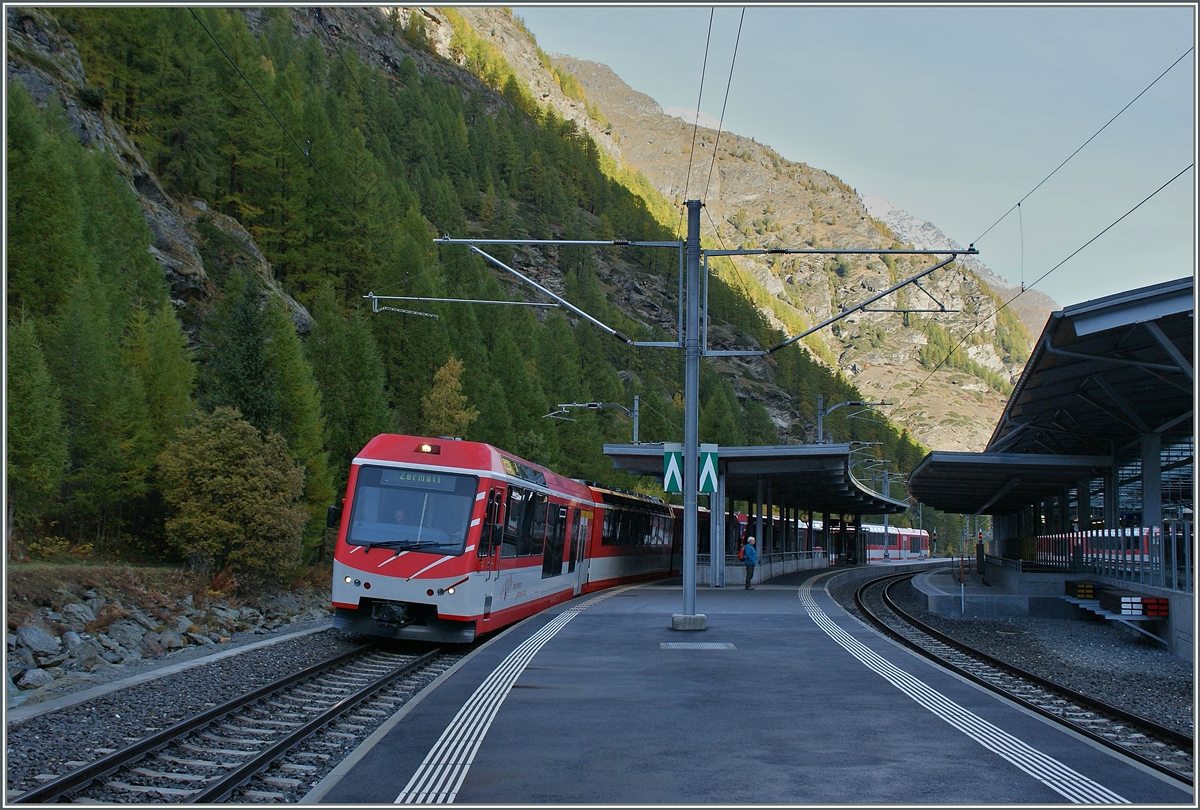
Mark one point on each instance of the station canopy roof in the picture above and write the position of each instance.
(1103, 374)
(997, 483)
(813, 477)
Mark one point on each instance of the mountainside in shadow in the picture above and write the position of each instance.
(756, 199)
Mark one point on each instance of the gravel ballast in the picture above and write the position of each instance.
(44, 743)
(1093, 657)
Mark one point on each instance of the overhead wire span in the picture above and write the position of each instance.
(696, 123)
(1040, 278)
(1077, 151)
(721, 123)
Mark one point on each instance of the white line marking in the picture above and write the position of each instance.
(1053, 774)
(426, 568)
(444, 768)
(390, 559)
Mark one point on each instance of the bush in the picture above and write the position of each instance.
(236, 499)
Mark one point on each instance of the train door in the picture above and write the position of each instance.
(490, 537)
(579, 562)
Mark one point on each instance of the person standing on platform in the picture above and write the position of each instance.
(751, 560)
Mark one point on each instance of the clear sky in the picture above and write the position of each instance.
(952, 113)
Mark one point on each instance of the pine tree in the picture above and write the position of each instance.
(348, 369)
(107, 416)
(45, 234)
(36, 456)
(236, 372)
(719, 422)
(156, 351)
(300, 419)
(759, 428)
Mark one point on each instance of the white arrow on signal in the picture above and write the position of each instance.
(708, 472)
(673, 474)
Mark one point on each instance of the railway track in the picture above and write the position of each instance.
(1156, 746)
(264, 746)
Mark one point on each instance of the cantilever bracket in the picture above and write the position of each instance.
(375, 307)
(917, 284)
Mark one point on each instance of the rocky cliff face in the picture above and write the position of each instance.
(45, 59)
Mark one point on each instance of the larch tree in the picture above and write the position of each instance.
(444, 408)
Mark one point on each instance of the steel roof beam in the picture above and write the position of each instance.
(1124, 405)
(1170, 347)
(1119, 361)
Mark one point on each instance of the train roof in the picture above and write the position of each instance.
(456, 455)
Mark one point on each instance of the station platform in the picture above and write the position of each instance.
(974, 596)
(784, 699)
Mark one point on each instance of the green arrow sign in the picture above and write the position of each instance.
(673, 467)
(708, 468)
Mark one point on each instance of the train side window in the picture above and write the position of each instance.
(556, 530)
(533, 526)
(512, 526)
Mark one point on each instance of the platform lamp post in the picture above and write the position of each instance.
(822, 411)
(883, 463)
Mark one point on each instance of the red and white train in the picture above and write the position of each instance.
(903, 543)
(445, 540)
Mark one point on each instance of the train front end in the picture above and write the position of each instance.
(407, 535)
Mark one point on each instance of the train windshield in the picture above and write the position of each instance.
(412, 510)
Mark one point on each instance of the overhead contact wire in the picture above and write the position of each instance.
(696, 123)
(1085, 143)
(721, 123)
(1043, 276)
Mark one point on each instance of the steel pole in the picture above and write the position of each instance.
(887, 494)
(689, 620)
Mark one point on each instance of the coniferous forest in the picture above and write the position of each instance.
(215, 429)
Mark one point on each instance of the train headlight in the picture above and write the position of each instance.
(450, 589)
(349, 580)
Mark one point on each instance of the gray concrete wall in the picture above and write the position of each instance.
(1038, 594)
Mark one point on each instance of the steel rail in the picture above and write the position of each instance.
(1093, 704)
(84, 775)
(217, 791)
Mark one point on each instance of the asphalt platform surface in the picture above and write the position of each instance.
(783, 699)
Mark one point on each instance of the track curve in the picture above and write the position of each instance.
(220, 753)
(1150, 743)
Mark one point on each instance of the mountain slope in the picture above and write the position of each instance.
(755, 198)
